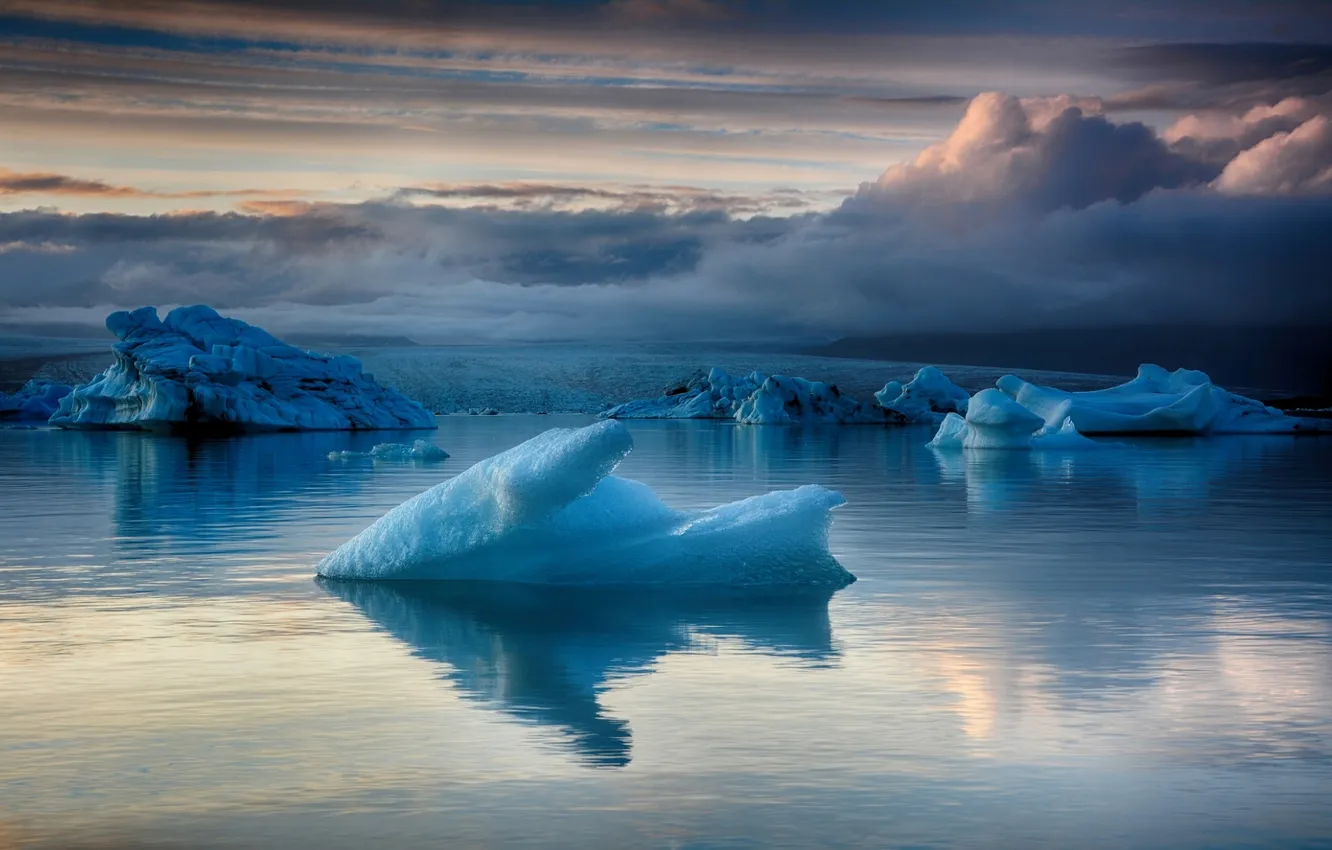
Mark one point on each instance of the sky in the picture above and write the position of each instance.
(674, 170)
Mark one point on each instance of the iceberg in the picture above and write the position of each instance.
(418, 450)
(780, 400)
(715, 395)
(995, 421)
(1156, 402)
(548, 511)
(926, 398)
(756, 399)
(35, 401)
(199, 370)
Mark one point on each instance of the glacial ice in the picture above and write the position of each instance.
(780, 400)
(995, 421)
(715, 395)
(926, 398)
(1156, 401)
(756, 399)
(35, 401)
(548, 511)
(196, 369)
(422, 450)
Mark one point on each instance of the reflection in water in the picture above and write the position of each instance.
(544, 654)
(1159, 472)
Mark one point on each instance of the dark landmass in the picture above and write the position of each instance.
(1284, 360)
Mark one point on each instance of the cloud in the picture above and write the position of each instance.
(666, 11)
(1286, 163)
(45, 183)
(1032, 213)
(1041, 153)
(667, 198)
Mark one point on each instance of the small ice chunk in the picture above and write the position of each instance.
(419, 450)
(548, 511)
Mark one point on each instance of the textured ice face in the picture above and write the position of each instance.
(197, 370)
(548, 511)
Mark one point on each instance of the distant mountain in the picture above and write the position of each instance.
(1284, 359)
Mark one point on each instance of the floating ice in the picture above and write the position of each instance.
(548, 511)
(785, 401)
(995, 421)
(715, 395)
(419, 450)
(1156, 401)
(34, 402)
(197, 369)
(926, 398)
(756, 399)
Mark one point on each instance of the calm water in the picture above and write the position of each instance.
(1118, 649)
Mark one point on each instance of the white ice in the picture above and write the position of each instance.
(926, 398)
(995, 421)
(35, 401)
(419, 450)
(197, 369)
(548, 511)
(1156, 401)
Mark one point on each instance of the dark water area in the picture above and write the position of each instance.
(1120, 648)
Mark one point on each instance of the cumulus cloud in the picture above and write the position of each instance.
(1293, 162)
(1040, 153)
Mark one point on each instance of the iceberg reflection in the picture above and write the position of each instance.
(544, 654)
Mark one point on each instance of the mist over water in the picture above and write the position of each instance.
(1129, 647)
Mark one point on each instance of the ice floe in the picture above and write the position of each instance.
(35, 401)
(1156, 401)
(419, 450)
(548, 511)
(197, 370)
(756, 399)
(780, 400)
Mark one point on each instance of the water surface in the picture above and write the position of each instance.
(1129, 648)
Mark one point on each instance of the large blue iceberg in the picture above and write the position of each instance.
(199, 370)
(548, 511)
